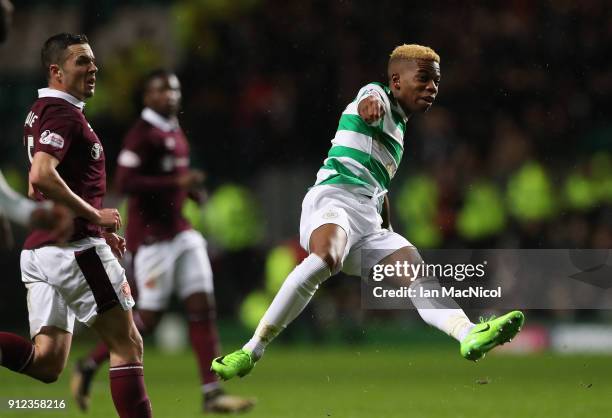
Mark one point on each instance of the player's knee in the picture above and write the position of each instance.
(333, 259)
(200, 306)
(128, 346)
(48, 363)
(49, 370)
(329, 244)
(49, 376)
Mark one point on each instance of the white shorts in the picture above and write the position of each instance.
(180, 264)
(81, 279)
(358, 216)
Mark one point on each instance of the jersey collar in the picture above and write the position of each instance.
(157, 120)
(49, 92)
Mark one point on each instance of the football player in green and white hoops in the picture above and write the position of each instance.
(341, 214)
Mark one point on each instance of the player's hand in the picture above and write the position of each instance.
(371, 109)
(198, 195)
(58, 220)
(191, 179)
(109, 218)
(116, 243)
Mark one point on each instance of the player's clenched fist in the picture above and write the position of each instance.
(109, 219)
(371, 109)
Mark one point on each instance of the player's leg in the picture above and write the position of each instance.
(100, 297)
(117, 329)
(123, 338)
(51, 323)
(193, 278)
(446, 315)
(86, 368)
(327, 246)
(44, 360)
(204, 338)
(441, 313)
(51, 349)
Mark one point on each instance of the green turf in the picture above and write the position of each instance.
(357, 382)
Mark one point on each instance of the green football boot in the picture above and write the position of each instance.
(239, 363)
(491, 333)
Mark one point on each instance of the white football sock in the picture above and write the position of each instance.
(291, 299)
(441, 312)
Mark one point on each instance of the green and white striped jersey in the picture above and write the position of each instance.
(366, 157)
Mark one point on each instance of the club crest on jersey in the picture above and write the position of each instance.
(125, 290)
(96, 151)
(331, 214)
(51, 138)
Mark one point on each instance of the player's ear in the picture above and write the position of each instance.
(395, 80)
(56, 72)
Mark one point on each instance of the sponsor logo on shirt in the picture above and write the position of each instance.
(51, 138)
(96, 151)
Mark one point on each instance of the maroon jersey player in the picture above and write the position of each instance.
(81, 279)
(154, 171)
(169, 256)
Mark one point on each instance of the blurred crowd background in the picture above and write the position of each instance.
(516, 152)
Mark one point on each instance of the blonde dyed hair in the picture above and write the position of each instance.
(414, 51)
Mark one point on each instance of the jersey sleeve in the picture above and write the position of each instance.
(134, 151)
(376, 91)
(57, 131)
(373, 90)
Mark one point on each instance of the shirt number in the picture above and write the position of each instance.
(30, 145)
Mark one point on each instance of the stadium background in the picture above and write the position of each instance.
(516, 152)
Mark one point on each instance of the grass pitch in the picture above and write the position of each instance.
(361, 382)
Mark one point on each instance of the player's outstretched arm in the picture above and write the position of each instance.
(371, 109)
(45, 178)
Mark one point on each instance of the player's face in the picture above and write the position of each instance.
(415, 85)
(77, 75)
(164, 95)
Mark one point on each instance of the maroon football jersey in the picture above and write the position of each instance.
(155, 152)
(56, 125)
